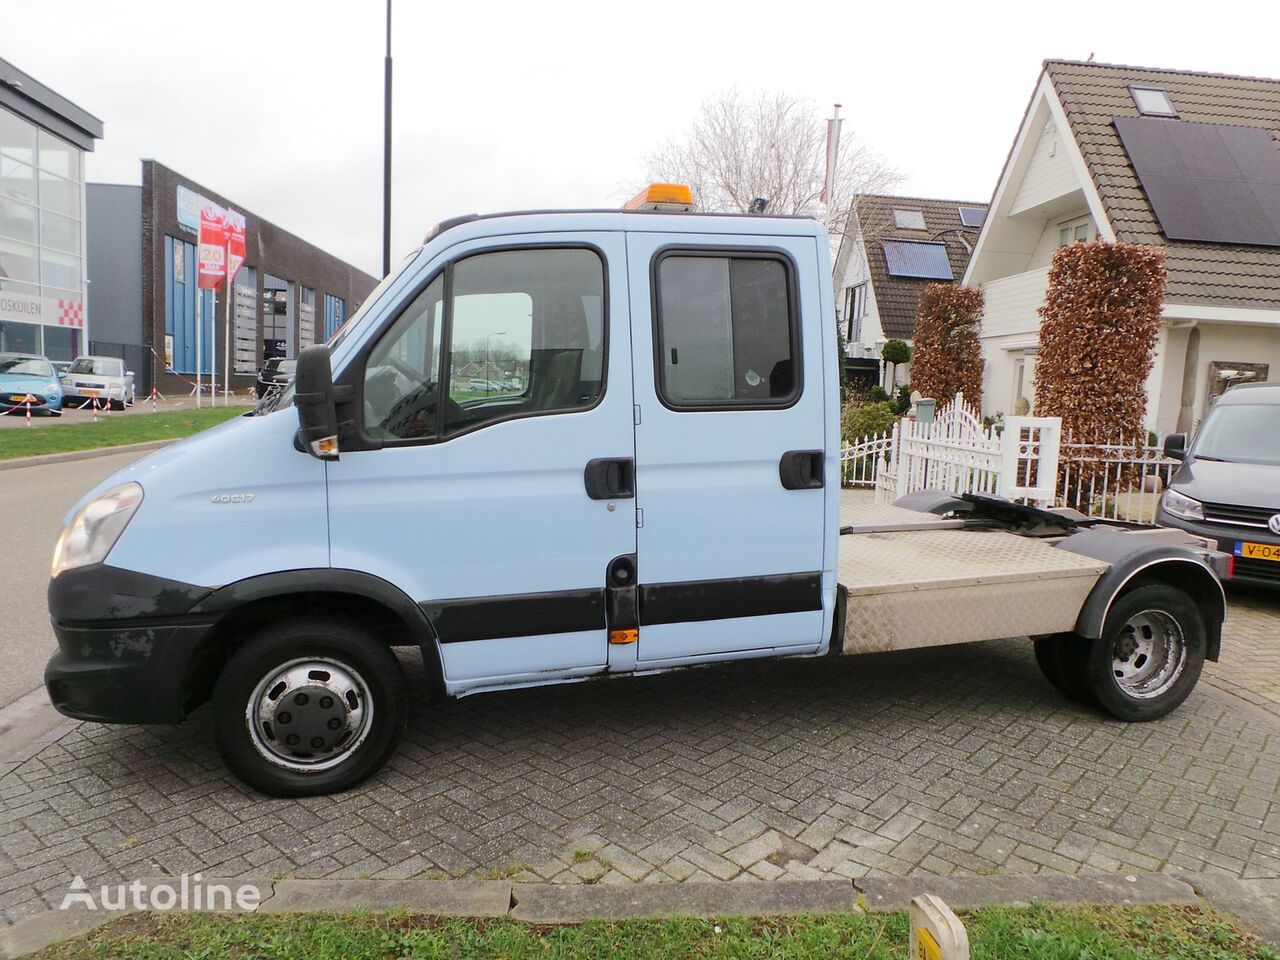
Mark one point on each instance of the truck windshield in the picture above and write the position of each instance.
(1241, 433)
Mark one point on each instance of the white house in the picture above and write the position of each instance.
(1187, 161)
(891, 249)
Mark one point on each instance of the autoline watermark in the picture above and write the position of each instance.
(189, 892)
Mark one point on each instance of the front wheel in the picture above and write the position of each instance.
(1150, 655)
(309, 707)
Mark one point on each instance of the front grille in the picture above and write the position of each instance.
(1246, 516)
(1268, 570)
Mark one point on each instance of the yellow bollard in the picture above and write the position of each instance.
(936, 932)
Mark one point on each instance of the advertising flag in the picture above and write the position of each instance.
(213, 246)
(235, 243)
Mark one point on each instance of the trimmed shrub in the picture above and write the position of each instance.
(948, 359)
(1098, 332)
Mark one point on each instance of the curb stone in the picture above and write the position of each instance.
(446, 898)
(968, 893)
(563, 903)
(15, 462)
(1255, 902)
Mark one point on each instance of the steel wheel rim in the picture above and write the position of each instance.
(1149, 654)
(292, 726)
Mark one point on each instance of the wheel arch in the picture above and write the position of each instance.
(246, 606)
(1183, 573)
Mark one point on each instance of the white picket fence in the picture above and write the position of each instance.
(1022, 461)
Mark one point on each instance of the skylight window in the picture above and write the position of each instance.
(972, 216)
(909, 219)
(1152, 102)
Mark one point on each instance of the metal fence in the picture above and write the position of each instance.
(1119, 481)
(1027, 459)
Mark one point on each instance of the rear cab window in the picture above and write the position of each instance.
(726, 330)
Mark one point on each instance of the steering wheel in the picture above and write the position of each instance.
(414, 414)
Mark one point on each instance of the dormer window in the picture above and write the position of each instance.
(908, 219)
(1152, 102)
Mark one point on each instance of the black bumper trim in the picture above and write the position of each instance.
(128, 672)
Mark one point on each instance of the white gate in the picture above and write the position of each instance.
(956, 453)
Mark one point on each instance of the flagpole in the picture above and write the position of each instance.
(226, 353)
(199, 340)
(213, 352)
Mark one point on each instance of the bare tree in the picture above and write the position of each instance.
(773, 148)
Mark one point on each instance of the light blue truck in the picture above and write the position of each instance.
(658, 489)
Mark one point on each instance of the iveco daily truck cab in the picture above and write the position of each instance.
(551, 446)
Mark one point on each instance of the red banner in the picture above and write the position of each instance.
(235, 243)
(213, 246)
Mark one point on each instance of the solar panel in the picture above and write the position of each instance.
(972, 216)
(1211, 182)
(917, 258)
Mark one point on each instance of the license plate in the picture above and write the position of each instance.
(1258, 551)
(92, 393)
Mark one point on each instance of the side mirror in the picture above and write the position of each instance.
(1175, 446)
(314, 396)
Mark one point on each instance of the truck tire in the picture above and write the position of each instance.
(1063, 658)
(1150, 654)
(307, 707)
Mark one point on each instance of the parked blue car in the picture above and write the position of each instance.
(27, 378)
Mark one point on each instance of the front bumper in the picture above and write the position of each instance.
(1227, 536)
(17, 401)
(129, 650)
(129, 673)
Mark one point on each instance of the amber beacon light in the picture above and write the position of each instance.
(662, 196)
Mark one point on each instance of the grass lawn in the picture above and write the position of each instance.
(113, 431)
(995, 933)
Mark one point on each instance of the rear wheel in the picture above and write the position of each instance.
(309, 707)
(1150, 655)
(1062, 658)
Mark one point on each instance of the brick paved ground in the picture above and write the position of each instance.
(947, 761)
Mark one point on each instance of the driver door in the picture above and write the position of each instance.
(482, 403)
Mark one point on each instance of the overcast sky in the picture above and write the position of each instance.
(277, 104)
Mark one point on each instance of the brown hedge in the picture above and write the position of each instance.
(947, 358)
(1098, 332)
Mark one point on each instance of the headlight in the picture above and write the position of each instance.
(51, 388)
(1184, 507)
(96, 527)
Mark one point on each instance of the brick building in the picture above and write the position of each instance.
(142, 245)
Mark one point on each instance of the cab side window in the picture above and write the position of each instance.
(726, 331)
(496, 336)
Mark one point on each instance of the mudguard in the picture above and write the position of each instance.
(1161, 556)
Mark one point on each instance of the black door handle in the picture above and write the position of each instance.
(610, 478)
(801, 469)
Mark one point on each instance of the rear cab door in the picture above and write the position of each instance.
(735, 444)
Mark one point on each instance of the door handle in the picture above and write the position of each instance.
(610, 478)
(801, 469)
